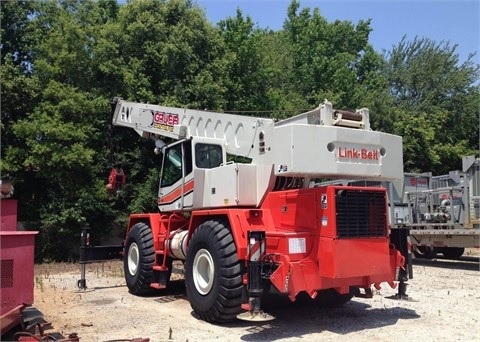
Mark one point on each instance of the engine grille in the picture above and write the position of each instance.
(361, 213)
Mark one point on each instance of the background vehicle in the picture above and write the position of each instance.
(442, 212)
(245, 228)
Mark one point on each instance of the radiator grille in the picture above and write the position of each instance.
(361, 213)
(7, 273)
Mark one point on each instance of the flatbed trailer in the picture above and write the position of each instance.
(441, 212)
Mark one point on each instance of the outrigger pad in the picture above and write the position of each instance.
(402, 297)
(402, 293)
(255, 316)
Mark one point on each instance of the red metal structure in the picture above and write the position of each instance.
(17, 266)
(19, 320)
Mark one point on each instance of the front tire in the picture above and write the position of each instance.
(213, 273)
(138, 259)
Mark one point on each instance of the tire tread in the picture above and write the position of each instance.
(227, 302)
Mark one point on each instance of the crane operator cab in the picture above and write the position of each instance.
(181, 161)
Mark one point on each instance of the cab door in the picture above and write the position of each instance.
(176, 180)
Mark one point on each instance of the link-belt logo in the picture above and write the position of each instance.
(165, 121)
(361, 153)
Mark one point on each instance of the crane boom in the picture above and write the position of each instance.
(238, 132)
(323, 142)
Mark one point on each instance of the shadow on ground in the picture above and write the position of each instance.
(294, 320)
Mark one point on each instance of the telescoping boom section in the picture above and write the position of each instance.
(243, 228)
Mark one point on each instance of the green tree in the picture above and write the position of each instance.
(59, 154)
(17, 38)
(162, 52)
(57, 161)
(429, 83)
(324, 55)
(419, 140)
(372, 91)
(245, 77)
(19, 86)
(277, 63)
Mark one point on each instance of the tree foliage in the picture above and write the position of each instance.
(57, 152)
(324, 55)
(245, 76)
(427, 81)
(162, 52)
(62, 62)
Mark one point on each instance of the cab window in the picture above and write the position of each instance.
(208, 156)
(172, 167)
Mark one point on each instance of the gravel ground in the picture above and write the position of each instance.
(444, 307)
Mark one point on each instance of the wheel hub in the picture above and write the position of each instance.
(133, 258)
(203, 271)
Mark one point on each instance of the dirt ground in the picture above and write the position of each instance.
(445, 307)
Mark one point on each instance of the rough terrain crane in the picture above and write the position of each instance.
(245, 228)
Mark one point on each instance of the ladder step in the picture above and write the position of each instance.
(160, 268)
(158, 286)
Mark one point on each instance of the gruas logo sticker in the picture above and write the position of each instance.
(165, 118)
(165, 121)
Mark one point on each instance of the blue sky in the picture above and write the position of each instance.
(440, 20)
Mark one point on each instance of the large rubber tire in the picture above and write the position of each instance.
(138, 259)
(213, 273)
(453, 252)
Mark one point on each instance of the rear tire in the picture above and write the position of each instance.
(453, 252)
(138, 259)
(213, 273)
